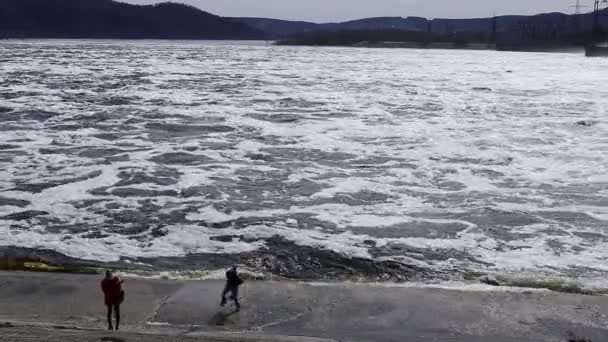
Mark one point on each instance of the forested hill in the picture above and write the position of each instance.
(282, 28)
(507, 23)
(111, 19)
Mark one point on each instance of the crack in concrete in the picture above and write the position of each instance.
(278, 322)
(164, 302)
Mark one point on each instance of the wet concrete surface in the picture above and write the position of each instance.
(342, 312)
(11, 333)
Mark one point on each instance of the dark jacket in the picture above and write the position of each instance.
(233, 279)
(112, 291)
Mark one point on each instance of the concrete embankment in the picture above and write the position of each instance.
(35, 304)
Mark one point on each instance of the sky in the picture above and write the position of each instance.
(341, 10)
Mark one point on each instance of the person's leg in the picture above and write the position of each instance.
(109, 315)
(117, 314)
(235, 296)
(224, 295)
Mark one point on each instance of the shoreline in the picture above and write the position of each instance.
(45, 261)
(276, 310)
(474, 46)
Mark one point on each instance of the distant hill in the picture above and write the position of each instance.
(277, 27)
(283, 28)
(111, 19)
(542, 32)
(512, 23)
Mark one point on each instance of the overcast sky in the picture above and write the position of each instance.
(340, 10)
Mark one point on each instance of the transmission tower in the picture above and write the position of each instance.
(578, 7)
(494, 29)
(598, 31)
(599, 4)
(577, 15)
(596, 11)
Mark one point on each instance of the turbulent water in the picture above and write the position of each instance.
(446, 160)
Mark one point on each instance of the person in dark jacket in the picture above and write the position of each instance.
(113, 297)
(233, 281)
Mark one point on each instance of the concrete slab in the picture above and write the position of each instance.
(76, 299)
(264, 304)
(46, 334)
(344, 312)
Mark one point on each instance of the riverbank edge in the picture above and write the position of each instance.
(467, 277)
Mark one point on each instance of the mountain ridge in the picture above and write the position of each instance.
(283, 28)
(169, 20)
(113, 19)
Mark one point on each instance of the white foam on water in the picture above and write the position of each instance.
(354, 185)
(417, 132)
(446, 285)
(194, 275)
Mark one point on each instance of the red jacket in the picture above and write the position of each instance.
(112, 291)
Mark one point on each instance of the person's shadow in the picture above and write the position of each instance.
(573, 338)
(113, 339)
(220, 318)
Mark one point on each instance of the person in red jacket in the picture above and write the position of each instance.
(113, 297)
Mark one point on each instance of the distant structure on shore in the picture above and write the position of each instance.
(598, 36)
(542, 32)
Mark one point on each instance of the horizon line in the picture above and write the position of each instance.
(338, 21)
(403, 17)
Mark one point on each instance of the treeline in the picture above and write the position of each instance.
(111, 19)
(352, 37)
(541, 23)
(540, 31)
(526, 36)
